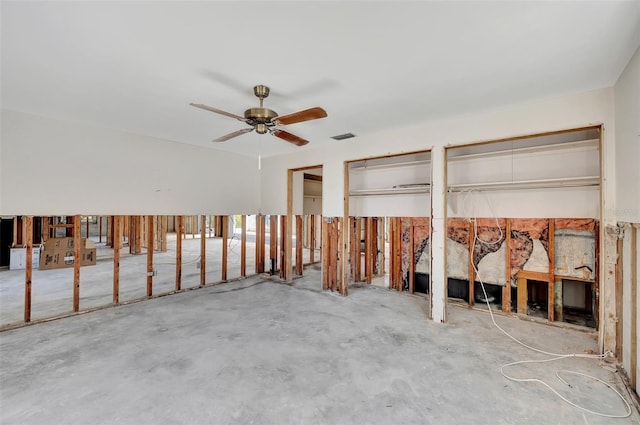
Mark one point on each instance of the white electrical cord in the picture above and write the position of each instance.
(555, 356)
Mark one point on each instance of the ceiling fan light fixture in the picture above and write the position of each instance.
(261, 128)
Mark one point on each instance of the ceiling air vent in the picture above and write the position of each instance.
(344, 136)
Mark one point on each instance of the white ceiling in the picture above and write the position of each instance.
(135, 66)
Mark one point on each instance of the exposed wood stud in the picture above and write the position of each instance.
(412, 258)
(77, 259)
(551, 278)
(522, 295)
(150, 243)
(367, 249)
(472, 269)
(324, 254)
(260, 243)
(299, 245)
(374, 245)
(117, 242)
(99, 229)
(28, 271)
(506, 290)
(398, 271)
(312, 238)
(357, 248)
(285, 249)
(46, 230)
(179, 233)
(273, 243)
(203, 248)
(87, 225)
(243, 246)
(225, 245)
(382, 245)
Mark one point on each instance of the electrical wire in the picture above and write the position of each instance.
(554, 356)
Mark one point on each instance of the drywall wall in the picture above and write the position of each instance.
(558, 113)
(54, 167)
(627, 124)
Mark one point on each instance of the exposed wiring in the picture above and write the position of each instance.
(554, 356)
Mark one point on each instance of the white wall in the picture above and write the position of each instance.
(627, 107)
(627, 209)
(558, 113)
(53, 167)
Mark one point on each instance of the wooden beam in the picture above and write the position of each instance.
(260, 244)
(398, 254)
(383, 246)
(203, 249)
(287, 234)
(551, 295)
(224, 222)
(99, 229)
(472, 266)
(117, 242)
(342, 265)
(299, 245)
(312, 238)
(367, 249)
(164, 221)
(522, 294)
(243, 246)
(46, 230)
(87, 232)
(374, 245)
(77, 259)
(357, 248)
(150, 245)
(273, 243)
(285, 248)
(412, 258)
(324, 250)
(506, 291)
(179, 233)
(28, 271)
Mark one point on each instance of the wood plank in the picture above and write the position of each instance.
(163, 232)
(203, 249)
(243, 246)
(285, 248)
(150, 245)
(522, 295)
(287, 234)
(117, 242)
(324, 251)
(551, 278)
(273, 243)
(358, 249)
(506, 290)
(341, 263)
(412, 258)
(367, 250)
(99, 229)
(87, 231)
(28, 271)
(46, 230)
(260, 243)
(374, 245)
(472, 266)
(76, 263)
(383, 246)
(392, 259)
(224, 222)
(299, 245)
(312, 238)
(179, 233)
(526, 274)
(398, 264)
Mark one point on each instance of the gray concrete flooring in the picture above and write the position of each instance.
(255, 351)
(52, 290)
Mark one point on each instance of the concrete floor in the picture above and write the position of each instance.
(52, 290)
(258, 352)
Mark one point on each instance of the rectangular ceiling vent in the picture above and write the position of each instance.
(344, 136)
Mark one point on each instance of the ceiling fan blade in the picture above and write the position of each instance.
(232, 135)
(288, 137)
(306, 115)
(218, 111)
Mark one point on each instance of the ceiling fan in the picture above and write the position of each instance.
(264, 120)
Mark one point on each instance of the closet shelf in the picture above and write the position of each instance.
(586, 181)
